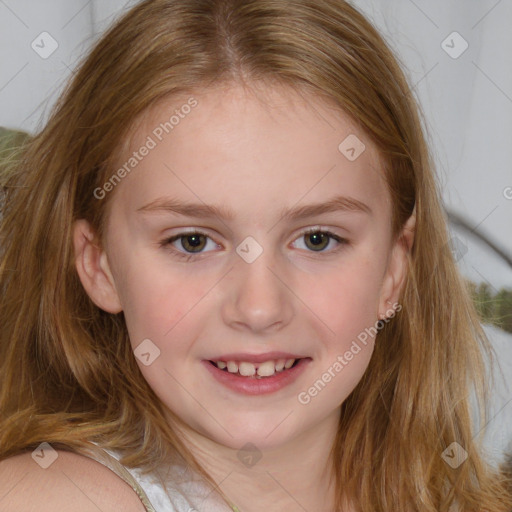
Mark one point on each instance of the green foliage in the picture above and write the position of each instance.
(11, 147)
(10, 140)
(494, 308)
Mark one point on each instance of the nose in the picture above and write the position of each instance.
(257, 298)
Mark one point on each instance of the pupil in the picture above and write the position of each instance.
(317, 239)
(196, 241)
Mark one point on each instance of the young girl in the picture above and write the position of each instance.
(227, 282)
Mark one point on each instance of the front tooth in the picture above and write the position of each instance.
(289, 363)
(232, 367)
(221, 365)
(247, 369)
(280, 365)
(267, 369)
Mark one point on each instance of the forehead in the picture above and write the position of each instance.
(252, 150)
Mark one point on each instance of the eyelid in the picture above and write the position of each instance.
(167, 241)
(341, 240)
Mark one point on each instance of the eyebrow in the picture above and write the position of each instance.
(176, 206)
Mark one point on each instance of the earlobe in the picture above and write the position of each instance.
(397, 268)
(93, 268)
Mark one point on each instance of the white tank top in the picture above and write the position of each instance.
(183, 491)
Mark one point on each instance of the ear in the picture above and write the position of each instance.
(396, 272)
(93, 268)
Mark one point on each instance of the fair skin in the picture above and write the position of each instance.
(71, 482)
(254, 159)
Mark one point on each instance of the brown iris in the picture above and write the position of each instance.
(317, 238)
(193, 243)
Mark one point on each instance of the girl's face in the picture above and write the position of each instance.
(207, 256)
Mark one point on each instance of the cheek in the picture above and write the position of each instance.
(348, 308)
(154, 300)
(347, 303)
(347, 300)
(162, 309)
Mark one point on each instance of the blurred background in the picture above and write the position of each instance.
(456, 56)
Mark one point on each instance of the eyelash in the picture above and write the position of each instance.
(189, 256)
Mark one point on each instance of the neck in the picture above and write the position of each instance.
(295, 476)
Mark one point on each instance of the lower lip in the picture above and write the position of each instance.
(254, 386)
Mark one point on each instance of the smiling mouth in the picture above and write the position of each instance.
(256, 370)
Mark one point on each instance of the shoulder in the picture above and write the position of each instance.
(72, 482)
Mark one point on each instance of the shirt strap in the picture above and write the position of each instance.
(103, 457)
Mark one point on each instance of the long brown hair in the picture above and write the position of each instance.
(67, 371)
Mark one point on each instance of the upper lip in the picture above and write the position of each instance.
(256, 358)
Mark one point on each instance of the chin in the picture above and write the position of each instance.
(263, 435)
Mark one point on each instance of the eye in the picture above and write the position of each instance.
(318, 239)
(193, 242)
